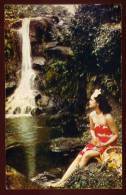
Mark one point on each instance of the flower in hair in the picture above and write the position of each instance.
(96, 93)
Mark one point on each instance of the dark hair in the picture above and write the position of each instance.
(103, 104)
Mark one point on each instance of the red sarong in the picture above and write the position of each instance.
(103, 133)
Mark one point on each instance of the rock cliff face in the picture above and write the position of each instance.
(43, 34)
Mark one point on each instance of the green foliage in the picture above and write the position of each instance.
(107, 48)
(29, 10)
(111, 85)
(18, 11)
(57, 75)
(95, 16)
(95, 40)
(108, 82)
(89, 178)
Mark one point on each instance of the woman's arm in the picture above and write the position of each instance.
(111, 124)
(91, 128)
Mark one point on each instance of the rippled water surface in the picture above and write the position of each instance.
(28, 140)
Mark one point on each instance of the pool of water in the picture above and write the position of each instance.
(28, 146)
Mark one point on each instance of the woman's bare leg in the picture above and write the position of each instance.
(80, 161)
(87, 156)
(72, 167)
(69, 171)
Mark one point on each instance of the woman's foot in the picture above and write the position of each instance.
(57, 184)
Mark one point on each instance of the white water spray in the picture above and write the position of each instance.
(23, 97)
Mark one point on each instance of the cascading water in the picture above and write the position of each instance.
(23, 99)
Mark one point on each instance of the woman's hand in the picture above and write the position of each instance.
(95, 141)
(100, 144)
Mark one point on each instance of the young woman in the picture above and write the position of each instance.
(103, 131)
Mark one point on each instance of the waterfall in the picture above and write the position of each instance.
(23, 101)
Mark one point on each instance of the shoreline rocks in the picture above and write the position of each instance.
(15, 180)
(68, 144)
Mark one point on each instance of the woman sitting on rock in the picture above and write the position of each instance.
(103, 131)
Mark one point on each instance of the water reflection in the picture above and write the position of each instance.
(28, 137)
(28, 141)
(28, 132)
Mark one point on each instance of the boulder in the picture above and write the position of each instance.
(60, 52)
(44, 100)
(38, 63)
(56, 118)
(17, 110)
(64, 144)
(42, 179)
(41, 23)
(36, 111)
(50, 110)
(27, 110)
(51, 44)
(38, 97)
(10, 87)
(40, 28)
